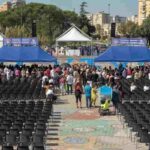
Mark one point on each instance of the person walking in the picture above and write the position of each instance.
(62, 85)
(87, 90)
(69, 81)
(78, 93)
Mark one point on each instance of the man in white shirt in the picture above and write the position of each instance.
(52, 73)
(8, 74)
(132, 87)
(145, 88)
(44, 78)
(69, 83)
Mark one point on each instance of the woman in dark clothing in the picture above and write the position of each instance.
(115, 96)
(78, 93)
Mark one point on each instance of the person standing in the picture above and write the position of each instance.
(69, 83)
(94, 95)
(78, 93)
(62, 85)
(87, 90)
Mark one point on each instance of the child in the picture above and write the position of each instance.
(94, 95)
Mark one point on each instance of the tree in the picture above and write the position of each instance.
(82, 8)
(145, 29)
(128, 29)
(50, 21)
(84, 22)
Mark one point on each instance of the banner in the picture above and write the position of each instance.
(20, 42)
(129, 42)
(89, 61)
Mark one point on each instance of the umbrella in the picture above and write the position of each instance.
(65, 65)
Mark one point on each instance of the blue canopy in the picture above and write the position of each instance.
(24, 54)
(125, 54)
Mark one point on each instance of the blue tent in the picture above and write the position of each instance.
(125, 54)
(24, 54)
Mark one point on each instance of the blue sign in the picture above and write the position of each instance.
(141, 63)
(129, 42)
(89, 61)
(116, 65)
(20, 42)
(105, 90)
(7, 41)
(70, 60)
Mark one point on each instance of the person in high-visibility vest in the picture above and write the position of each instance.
(105, 105)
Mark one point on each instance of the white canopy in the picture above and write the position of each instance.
(1, 39)
(73, 34)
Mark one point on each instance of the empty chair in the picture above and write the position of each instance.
(4, 147)
(38, 148)
(17, 126)
(29, 126)
(23, 147)
(27, 132)
(5, 126)
(2, 132)
(14, 132)
(41, 126)
(10, 139)
(24, 140)
(40, 132)
(1, 140)
(38, 140)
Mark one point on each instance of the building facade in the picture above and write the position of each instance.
(101, 21)
(133, 18)
(99, 18)
(143, 10)
(4, 7)
(12, 4)
(119, 19)
(17, 3)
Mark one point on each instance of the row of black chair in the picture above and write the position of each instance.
(24, 123)
(138, 93)
(18, 88)
(137, 117)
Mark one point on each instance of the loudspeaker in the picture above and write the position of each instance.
(33, 29)
(113, 29)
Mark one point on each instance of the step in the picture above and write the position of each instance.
(56, 121)
(51, 138)
(54, 118)
(54, 125)
(52, 144)
(53, 134)
(52, 129)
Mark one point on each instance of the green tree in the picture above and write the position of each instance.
(145, 29)
(50, 21)
(84, 22)
(129, 29)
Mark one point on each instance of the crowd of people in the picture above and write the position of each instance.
(84, 50)
(77, 80)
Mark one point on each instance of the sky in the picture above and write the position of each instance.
(117, 7)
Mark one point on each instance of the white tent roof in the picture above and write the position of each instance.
(73, 34)
(1, 36)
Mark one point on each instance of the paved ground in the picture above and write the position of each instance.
(85, 129)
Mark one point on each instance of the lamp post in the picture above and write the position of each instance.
(109, 21)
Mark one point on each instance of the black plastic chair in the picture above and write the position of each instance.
(4, 147)
(10, 139)
(24, 140)
(23, 147)
(14, 132)
(38, 148)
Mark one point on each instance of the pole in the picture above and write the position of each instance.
(109, 22)
(21, 20)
